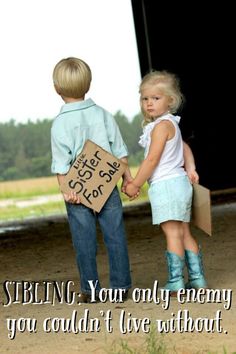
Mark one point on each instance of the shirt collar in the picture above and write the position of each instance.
(74, 106)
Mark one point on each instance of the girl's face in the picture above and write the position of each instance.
(153, 102)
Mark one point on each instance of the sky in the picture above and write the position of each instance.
(36, 34)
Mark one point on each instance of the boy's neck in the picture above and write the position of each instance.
(71, 99)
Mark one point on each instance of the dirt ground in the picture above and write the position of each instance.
(42, 251)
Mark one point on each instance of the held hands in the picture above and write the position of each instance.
(125, 182)
(129, 188)
(132, 191)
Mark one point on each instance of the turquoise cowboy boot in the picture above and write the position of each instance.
(175, 269)
(196, 278)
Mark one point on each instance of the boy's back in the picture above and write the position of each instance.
(79, 120)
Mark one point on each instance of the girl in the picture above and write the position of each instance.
(170, 190)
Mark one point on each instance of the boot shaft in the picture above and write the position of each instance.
(175, 265)
(194, 263)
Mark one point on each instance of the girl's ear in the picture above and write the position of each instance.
(171, 102)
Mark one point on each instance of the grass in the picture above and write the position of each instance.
(29, 187)
(12, 212)
(154, 344)
(13, 192)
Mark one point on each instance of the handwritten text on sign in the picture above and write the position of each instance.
(93, 175)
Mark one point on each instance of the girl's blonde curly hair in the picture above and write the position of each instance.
(168, 84)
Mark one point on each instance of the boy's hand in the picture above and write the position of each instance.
(125, 183)
(132, 191)
(71, 197)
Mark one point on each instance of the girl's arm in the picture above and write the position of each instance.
(160, 134)
(189, 164)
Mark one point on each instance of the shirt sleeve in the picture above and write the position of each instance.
(61, 155)
(117, 144)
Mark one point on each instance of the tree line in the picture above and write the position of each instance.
(25, 148)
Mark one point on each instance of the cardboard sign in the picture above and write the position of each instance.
(201, 209)
(93, 175)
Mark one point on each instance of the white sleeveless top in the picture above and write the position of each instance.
(172, 159)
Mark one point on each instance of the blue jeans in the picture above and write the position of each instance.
(82, 221)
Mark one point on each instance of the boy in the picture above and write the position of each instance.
(81, 119)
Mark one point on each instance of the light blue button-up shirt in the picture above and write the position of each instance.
(77, 122)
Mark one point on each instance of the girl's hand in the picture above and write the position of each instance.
(193, 176)
(71, 197)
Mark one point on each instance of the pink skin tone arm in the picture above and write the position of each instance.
(160, 135)
(189, 164)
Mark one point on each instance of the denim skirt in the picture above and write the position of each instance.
(171, 199)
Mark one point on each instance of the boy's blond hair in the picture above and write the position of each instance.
(72, 77)
(168, 83)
